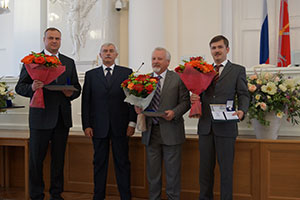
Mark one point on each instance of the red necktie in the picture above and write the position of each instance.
(217, 76)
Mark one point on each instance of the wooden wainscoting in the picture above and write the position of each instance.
(2, 167)
(280, 175)
(263, 169)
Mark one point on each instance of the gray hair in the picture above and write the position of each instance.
(109, 44)
(168, 55)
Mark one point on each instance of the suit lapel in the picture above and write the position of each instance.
(62, 77)
(100, 75)
(225, 71)
(116, 73)
(167, 81)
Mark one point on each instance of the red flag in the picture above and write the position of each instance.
(284, 49)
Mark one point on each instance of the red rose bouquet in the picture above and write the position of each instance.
(44, 68)
(197, 75)
(139, 91)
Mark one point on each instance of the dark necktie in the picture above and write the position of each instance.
(108, 74)
(217, 76)
(156, 100)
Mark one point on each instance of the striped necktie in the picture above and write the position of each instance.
(156, 100)
(217, 76)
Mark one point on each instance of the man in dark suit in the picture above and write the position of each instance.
(49, 124)
(218, 138)
(108, 119)
(165, 135)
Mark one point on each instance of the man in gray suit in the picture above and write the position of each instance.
(165, 135)
(218, 138)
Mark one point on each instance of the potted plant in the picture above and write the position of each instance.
(6, 96)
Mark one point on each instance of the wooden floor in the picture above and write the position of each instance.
(18, 194)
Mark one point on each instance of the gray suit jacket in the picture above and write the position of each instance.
(174, 96)
(231, 85)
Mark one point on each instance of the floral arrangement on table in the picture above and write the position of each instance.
(139, 91)
(6, 95)
(197, 75)
(271, 92)
(44, 68)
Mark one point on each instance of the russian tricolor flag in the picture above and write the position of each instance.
(264, 36)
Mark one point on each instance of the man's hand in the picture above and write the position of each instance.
(194, 97)
(240, 114)
(130, 131)
(68, 93)
(89, 132)
(169, 115)
(36, 85)
(138, 110)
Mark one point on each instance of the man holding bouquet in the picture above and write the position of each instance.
(51, 123)
(106, 118)
(217, 139)
(165, 134)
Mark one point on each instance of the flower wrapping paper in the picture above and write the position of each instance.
(44, 74)
(196, 82)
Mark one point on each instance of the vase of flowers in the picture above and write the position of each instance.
(6, 96)
(272, 97)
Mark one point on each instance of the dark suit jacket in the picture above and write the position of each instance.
(55, 101)
(174, 96)
(103, 104)
(231, 84)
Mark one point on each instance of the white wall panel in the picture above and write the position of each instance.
(249, 55)
(251, 10)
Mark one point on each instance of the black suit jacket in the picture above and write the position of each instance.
(103, 104)
(231, 85)
(55, 101)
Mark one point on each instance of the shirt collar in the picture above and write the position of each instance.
(223, 63)
(163, 75)
(111, 67)
(50, 54)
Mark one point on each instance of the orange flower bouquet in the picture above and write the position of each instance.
(44, 68)
(197, 75)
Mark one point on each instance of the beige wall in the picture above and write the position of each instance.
(123, 55)
(189, 25)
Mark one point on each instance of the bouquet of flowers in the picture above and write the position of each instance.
(5, 95)
(273, 93)
(139, 91)
(197, 75)
(44, 68)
